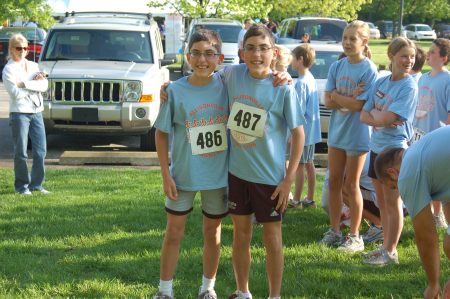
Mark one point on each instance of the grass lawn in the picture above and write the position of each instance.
(99, 235)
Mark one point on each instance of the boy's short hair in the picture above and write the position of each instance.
(259, 30)
(386, 159)
(444, 48)
(307, 52)
(420, 60)
(205, 35)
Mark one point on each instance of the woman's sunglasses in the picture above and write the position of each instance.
(21, 48)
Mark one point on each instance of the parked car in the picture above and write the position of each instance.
(228, 31)
(442, 30)
(374, 31)
(419, 32)
(35, 37)
(320, 29)
(326, 54)
(386, 28)
(105, 71)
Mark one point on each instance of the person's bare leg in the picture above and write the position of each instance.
(242, 236)
(299, 181)
(336, 164)
(394, 208)
(273, 242)
(383, 212)
(311, 174)
(211, 246)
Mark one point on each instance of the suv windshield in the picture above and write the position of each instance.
(228, 34)
(99, 45)
(318, 29)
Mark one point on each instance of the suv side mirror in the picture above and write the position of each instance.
(168, 59)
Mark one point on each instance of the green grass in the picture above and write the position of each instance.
(379, 48)
(99, 235)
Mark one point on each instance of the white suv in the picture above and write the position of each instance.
(228, 31)
(105, 71)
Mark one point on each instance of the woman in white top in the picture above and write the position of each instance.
(24, 83)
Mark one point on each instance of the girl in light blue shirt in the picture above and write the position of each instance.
(390, 110)
(348, 138)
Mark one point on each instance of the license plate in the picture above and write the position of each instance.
(85, 114)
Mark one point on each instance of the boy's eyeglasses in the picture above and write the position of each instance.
(253, 49)
(21, 48)
(208, 55)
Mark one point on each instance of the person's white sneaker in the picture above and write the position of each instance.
(352, 244)
(331, 238)
(42, 191)
(373, 234)
(382, 258)
(25, 192)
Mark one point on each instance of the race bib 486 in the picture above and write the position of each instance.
(208, 139)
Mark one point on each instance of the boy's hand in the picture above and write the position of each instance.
(282, 191)
(432, 292)
(163, 93)
(281, 78)
(170, 189)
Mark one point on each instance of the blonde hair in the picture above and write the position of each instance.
(397, 44)
(307, 52)
(363, 31)
(283, 58)
(18, 37)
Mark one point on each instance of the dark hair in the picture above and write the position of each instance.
(205, 35)
(307, 52)
(386, 159)
(420, 60)
(444, 48)
(259, 30)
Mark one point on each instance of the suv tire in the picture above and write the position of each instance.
(148, 141)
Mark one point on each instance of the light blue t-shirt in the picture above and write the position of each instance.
(308, 95)
(434, 101)
(416, 76)
(261, 159)
(346, 131)
(190, 106)
(425, 172)
(399, 97)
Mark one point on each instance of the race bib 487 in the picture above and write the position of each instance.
(247, 119)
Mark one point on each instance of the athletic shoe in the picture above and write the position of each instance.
(25, 192)
(382, 258)
(373, 234)
(160, 295)
(208, 294)
(369, 254)
(439, 221)
(331, 238)
(292, 203)
(42, 191)
(352, 244)
(238, 295)
(306, 203)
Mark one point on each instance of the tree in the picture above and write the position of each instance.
(237, 9)
(345, 9)
(36, 10)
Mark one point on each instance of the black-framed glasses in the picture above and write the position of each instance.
(253, 49)
(208, 54)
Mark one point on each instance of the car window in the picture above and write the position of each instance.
(290, 29)
(321, 65)
(320, 29)
(30, 35)
(228, 33)
(99, 45)
(423, 28)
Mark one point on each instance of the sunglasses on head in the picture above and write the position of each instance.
(22, 48)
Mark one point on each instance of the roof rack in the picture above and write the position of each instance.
(147, 17)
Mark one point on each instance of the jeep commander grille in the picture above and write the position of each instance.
(80, 91)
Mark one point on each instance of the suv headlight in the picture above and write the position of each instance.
(132, 91)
